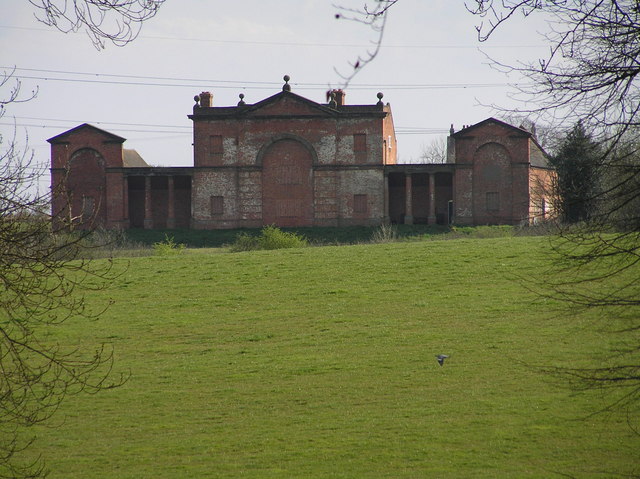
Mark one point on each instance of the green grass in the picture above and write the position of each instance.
(320, 362)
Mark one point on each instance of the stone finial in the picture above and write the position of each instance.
(451, 130)
(332, 103)
(197, 100)
(286, 86)
(241, 102)
(380, 97)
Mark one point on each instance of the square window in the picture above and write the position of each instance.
(360, 204)
(360, 142)
(215, 145)
(217, 205)
(493, 201)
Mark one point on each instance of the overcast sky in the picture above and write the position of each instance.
(431, 68)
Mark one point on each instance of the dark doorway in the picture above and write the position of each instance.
(397, 197)
(136, 201)
(444, 194)
(420, 197)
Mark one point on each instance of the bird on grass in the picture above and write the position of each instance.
(441, 358)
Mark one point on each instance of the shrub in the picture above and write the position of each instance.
(245, 242)
(168, 247)
(385, 233)
(271, 237)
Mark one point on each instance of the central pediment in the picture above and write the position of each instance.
(287, 104)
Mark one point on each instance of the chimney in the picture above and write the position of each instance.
(206, 99)
(451, 146)
(339, 96)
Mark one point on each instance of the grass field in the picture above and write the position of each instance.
(320, 362)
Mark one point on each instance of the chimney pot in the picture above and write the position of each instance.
(206, 99)
(340, 97)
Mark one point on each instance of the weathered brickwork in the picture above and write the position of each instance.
(82, 178)
(494, 171)
(290, 161)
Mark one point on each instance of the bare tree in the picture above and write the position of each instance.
(43, 276)
(117, 21)
(373, 16)
(43, 279)
(435, 151)
(591, 74)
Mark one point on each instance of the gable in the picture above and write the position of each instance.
(494, 126)
(86, 129)
(288, 104)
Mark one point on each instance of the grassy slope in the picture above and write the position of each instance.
(320, 363)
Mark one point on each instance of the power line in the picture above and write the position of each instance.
(399, 130)
(129, 130)
(305, 44)
(141, 77)
(152, 125)
(238, 84)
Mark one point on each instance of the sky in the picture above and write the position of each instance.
(431, 69)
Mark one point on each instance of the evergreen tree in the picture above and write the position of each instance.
(577, 164)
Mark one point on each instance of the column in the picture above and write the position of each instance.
(148, 218)
(432, 199)
(171, 214)
(408, 210)
(125, 203)
(387, 220)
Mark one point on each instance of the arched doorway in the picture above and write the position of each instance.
(287, 184)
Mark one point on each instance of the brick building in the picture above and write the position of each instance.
(290, 161)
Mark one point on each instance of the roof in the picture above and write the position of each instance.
(492, 120)
(538, 157)
(86, 126)
(269, 108)
(132, 159)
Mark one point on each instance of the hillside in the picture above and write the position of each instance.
(320, 362)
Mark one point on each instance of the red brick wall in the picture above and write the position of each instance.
(542, 206)
(287, 184)
(87, 153)
(492, 159)
(390, 143)
(492, 175)
(288, 127)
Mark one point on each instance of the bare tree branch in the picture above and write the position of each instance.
(116, 21)
(43, 279)
(375, 18)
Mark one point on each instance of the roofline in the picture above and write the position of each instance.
(487, 120)
(57, 138)
(531, 136)
(239, 111)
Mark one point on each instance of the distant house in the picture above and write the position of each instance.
(290, 161)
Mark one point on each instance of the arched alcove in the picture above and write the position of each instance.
(287, 183)
(492, 184)
(86, 184)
